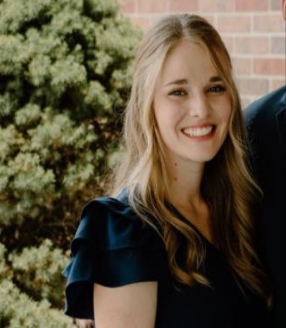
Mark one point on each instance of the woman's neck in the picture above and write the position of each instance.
(185, 183)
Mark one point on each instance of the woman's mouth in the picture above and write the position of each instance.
(199, 132)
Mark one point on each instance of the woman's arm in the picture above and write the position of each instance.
(129, 306)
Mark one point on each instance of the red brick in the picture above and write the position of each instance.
(250, 45)
(152, 6)
(207, 5)
(250, 86)
(230, 24)
(242, 66)
(269, 23)
(155, 18)
(275, 84)
(142, 21)
(222, 5)
(245, 101)
(275, 5)
(216, 5)
(275, 66)
(183, 5)
(278, 45)
(210, 19)
(128, 6)
(228, 41)
(251, 5)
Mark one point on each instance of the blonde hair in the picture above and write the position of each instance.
(227, 185)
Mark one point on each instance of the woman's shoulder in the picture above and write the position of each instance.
(110, 223)
(112, 247)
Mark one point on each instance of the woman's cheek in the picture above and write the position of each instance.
(168, 112)
(173, 110)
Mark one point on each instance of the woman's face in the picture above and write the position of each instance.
(191, 105)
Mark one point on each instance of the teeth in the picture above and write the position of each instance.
(198, 132)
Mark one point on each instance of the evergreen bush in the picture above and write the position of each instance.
(65, 70)
(17, 308)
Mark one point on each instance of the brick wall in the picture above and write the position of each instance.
(253, 31)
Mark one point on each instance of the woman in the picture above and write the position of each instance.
(173, 246)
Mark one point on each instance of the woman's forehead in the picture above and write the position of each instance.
(186, 63)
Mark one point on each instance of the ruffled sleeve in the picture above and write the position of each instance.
(111, 247)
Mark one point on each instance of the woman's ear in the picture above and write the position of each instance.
(284, 9)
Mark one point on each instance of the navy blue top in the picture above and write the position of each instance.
(112, 247)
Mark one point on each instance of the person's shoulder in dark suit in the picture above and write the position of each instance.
(265, 108)
(266, 120)
(266, 125)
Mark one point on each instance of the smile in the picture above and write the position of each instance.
(199, 131)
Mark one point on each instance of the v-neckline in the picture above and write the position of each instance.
(194, 227)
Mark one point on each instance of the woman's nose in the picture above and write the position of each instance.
(199, 106)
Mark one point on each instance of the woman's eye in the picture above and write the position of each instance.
(217, 89)
(178, 93)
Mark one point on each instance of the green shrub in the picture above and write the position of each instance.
(17, 310)
(65, 70)
(41, 267)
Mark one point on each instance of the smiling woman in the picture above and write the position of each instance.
(192, 111)
(173, 244)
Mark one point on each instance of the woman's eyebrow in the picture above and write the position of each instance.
(215, 78)
(178, 82)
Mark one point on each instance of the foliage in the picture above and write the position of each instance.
(17, 309)
(42, 267)
(64, 78)
(65, 70)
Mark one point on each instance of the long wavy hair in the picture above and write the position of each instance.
(227, 185)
